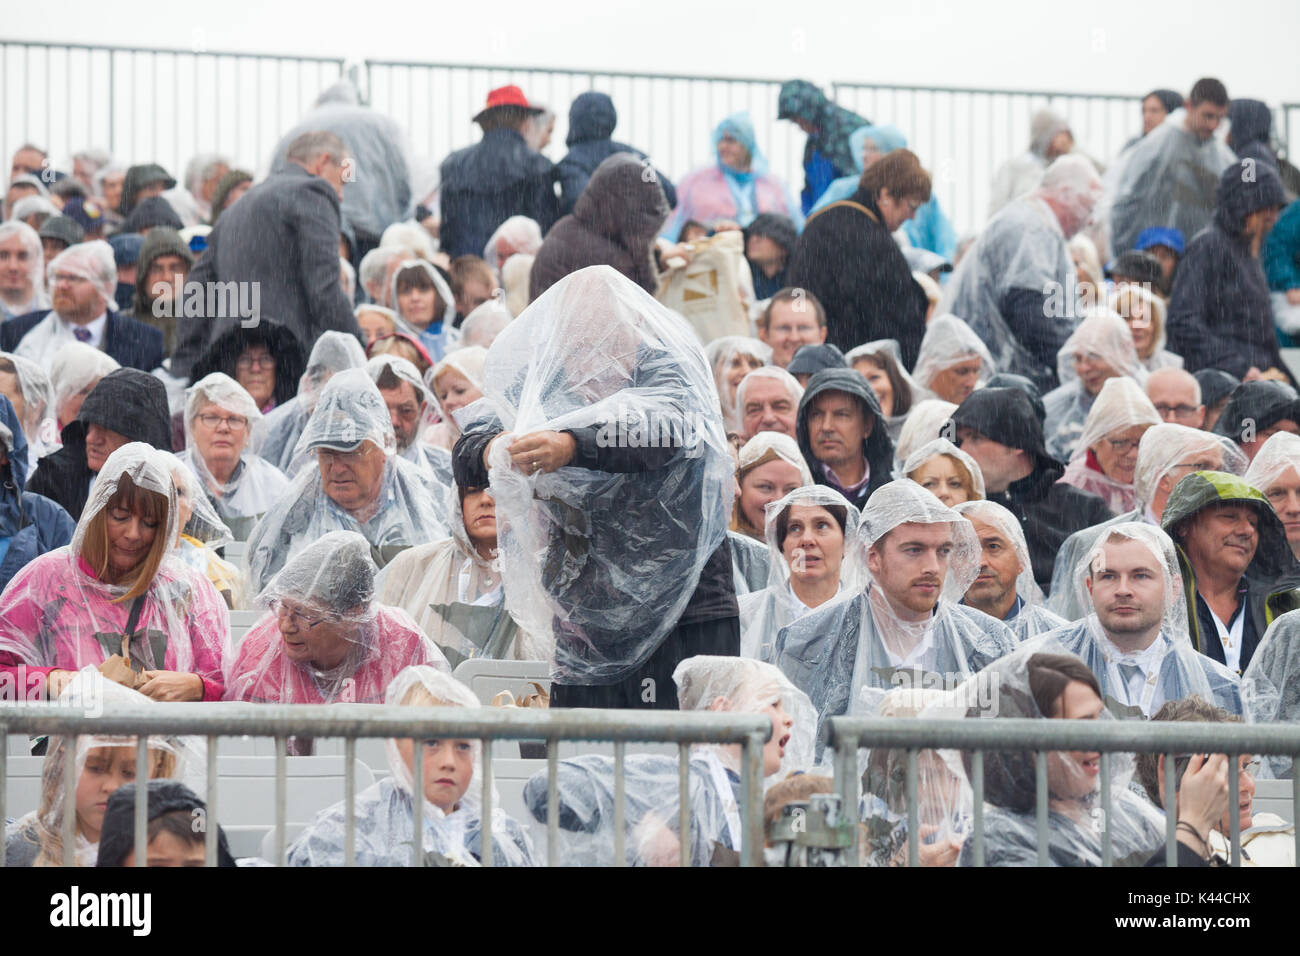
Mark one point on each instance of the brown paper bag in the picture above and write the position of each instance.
(118, 668)
(708, 289)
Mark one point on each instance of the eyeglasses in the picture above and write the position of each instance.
(1251, 769)
(247, 362)
(1122, 446)
(1178, 411)
(65, 278)
(236, 423)
(294, 616)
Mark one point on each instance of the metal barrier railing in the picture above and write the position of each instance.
(848, 734)
(353, 721)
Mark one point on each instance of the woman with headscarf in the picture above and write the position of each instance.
(324, 638)
(118, 596)
(425, 306)
(220, 417)
(813, 558)
(881, 364)
(104, 763)
(450, 797)
(944, 470)
(770, 466)
(733, 357)
(952, 362)
(929, 228)
(735, 189)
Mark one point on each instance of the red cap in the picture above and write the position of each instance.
(506, 96)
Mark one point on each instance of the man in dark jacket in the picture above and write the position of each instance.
(1238, 572)
(843, 436)
(143, 182)
(1220, 315)
(847, 257)
(84, 281)
(1250, 130)
(614, 223)
(1256, 411)
(498, 177)
(290, 219)
(1000, 430)
(826, 155)
(30, 524)
(592, 119)
(127, 405)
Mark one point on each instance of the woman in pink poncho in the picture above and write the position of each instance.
(72, 607)
(324, 639)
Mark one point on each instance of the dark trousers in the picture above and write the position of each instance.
(651, 685)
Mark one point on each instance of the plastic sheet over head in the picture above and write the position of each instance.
(726, 353)
(1173, 622)
(333, 352)
(350, 411)
(1279, 455)
(92, 261)
(1103, 336)
(765, 446)
(1121, 404)
(484, 324)
(740, 685)
(203, 525)
(74, 370)
(39, 417)
(1271, 684)
(949, 341)
(334, 576)
(941, 446)
(905, 502)
(1008, 526)
(1177, 451)
(925, 423)
(424, 686)
(1006, 690)
(403, 369)
(518, 234)
(1071, 183)
(31, 242)
(227, 395)
(469, 361)
(608, 561)
(146, 468)
(766, 611)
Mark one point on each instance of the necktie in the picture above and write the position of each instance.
(82, 334)
(1133, 681)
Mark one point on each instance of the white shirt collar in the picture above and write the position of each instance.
(95, 327)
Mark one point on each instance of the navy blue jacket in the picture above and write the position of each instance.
(132, 343)
(485, 184)
(592, 119)
(32, 523)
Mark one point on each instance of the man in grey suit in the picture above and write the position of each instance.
(284, 237)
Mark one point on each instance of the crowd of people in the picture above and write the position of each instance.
(727, 443)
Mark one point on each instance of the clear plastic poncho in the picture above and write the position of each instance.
(75, 369)
(384, 813)
(1277, 456)
(724, 355)
(948, 341)
(31, 242)
(1022, 247)
(38, 419)
(1074, 819)
(865, 640)
(1169, 178)
(457, 597)
(763, 613)
(1120, 405)
(279, 433)
(1167, 451)
(763, 448)
(606, 560)
(1271, 684)
(652, 793)
(92, 261)
(925, 423)
(424, 457)
(1134, 684)
(36, 839)
(406, 512)
(941, 446)
(56, 613)
(204, 534)
(331, 582)
(255, 484)
(441, 428)
(1032, 617)
(440, 335)
(482, 326)
(1103, 337)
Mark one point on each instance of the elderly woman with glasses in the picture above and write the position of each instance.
(325, 638)
(219, 419)
(1105, 460)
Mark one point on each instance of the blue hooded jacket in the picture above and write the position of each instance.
(592, 119)
(30, 524)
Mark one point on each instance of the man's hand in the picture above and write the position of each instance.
(1203, 794)
(172, 685)
(542, 451)
(56, 681)
(940, 853)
